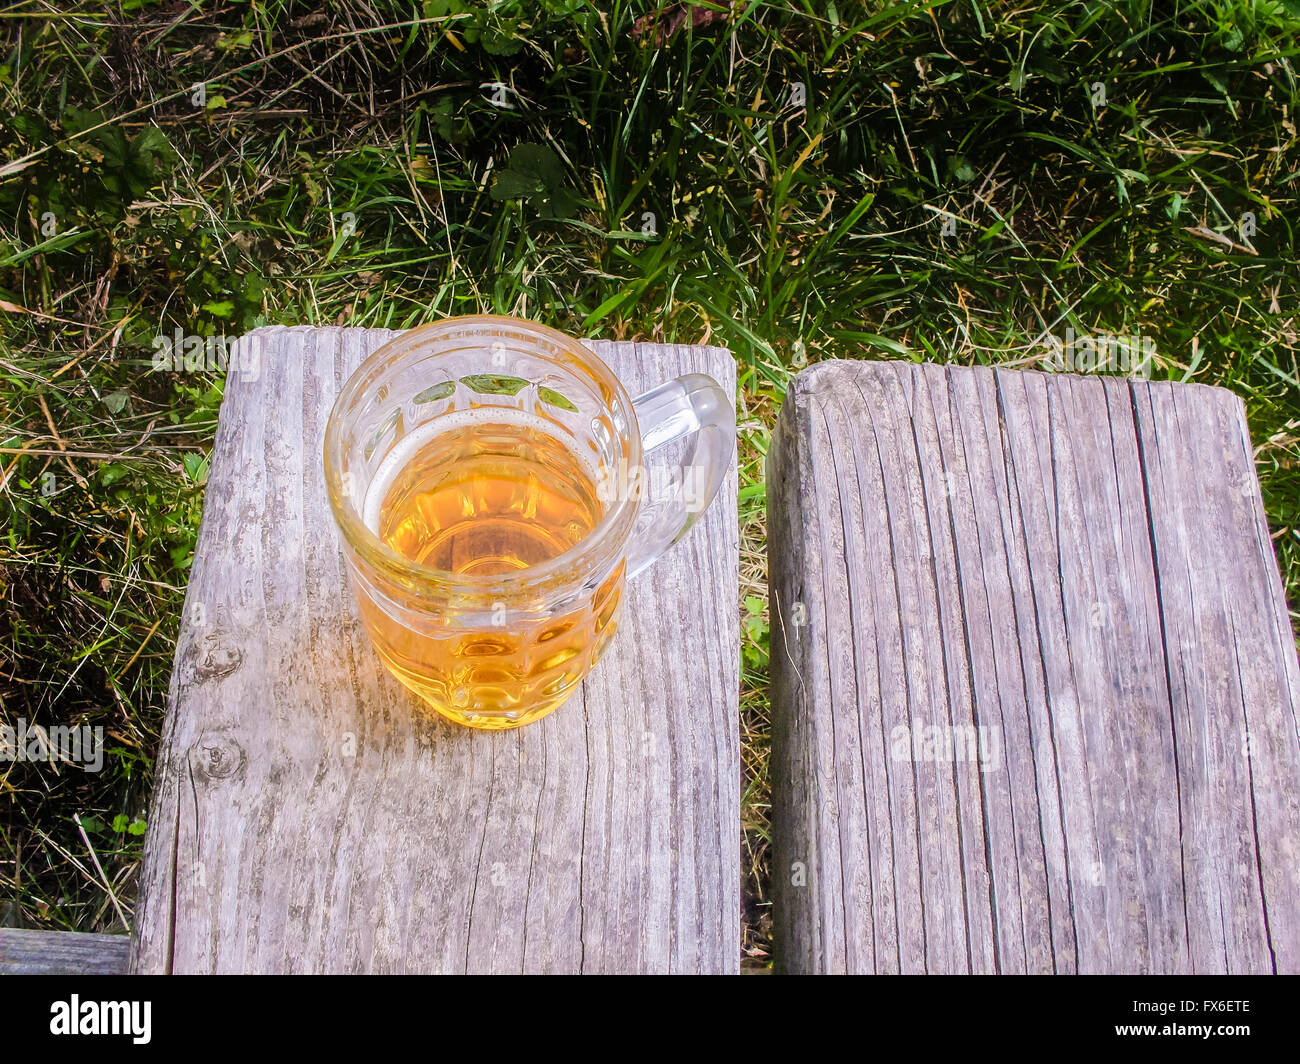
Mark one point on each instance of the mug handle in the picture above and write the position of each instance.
(692, 405)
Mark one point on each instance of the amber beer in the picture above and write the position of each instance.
(477, 470)
(490, 492)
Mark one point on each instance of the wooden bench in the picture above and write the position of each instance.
(1035, 690)
(24, 952)
(308, 818)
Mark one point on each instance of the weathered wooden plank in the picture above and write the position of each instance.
(24, 952)
(1076, 572)
(307, 818)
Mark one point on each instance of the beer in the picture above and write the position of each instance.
(486, 474)
(487, 492)
(493, 492)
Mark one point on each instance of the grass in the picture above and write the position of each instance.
(963, 180)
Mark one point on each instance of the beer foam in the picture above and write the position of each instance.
(405, 449)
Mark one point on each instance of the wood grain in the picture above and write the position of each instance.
(24, 952)
(603, 838)
(1081, 568)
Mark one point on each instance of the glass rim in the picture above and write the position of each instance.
(614, 527)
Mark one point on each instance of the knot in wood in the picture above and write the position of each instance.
(216, 757)
(216, 658)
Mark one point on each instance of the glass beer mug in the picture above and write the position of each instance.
(486, 474)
